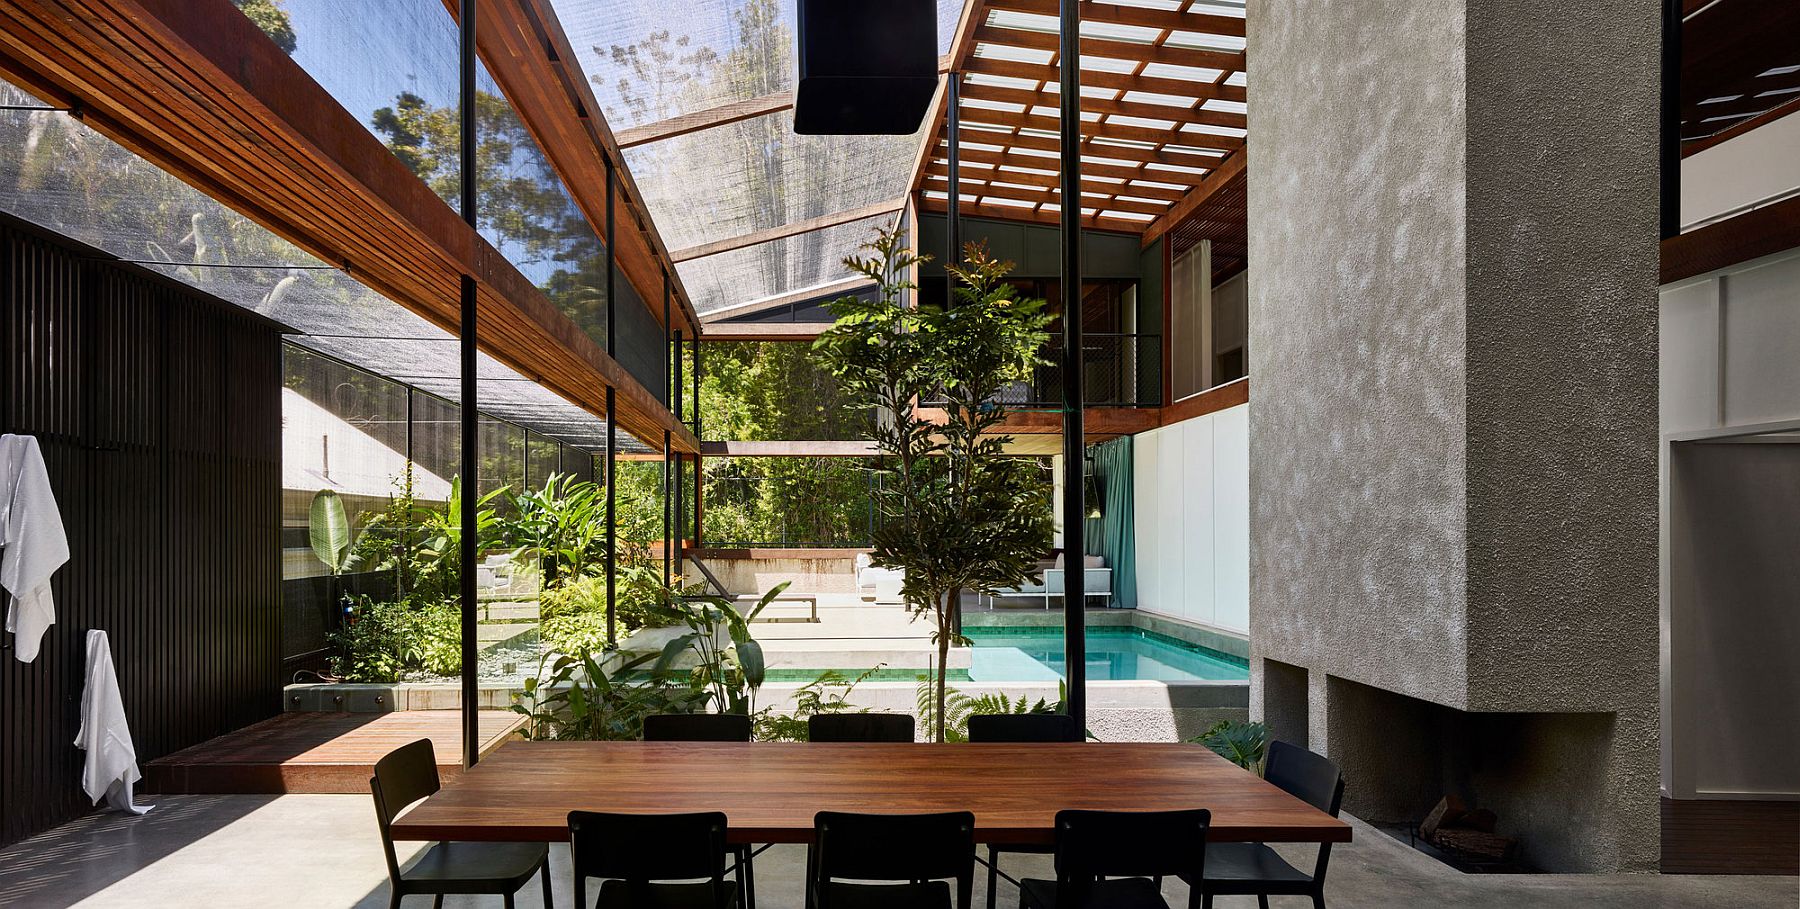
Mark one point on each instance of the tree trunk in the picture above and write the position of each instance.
(943, 670)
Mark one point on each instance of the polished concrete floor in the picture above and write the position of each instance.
(322, 851)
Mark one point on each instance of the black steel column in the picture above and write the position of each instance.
(1074, 510)
(669, 391)
(667, 543)
(953, 204)
(1670, 150)
(612, 429)
(696, 400)
(471, 416)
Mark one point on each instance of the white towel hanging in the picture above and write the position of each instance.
(31, 530)
(110, 770)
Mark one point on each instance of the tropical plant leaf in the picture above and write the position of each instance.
(328, 529)
(1243, 744)
(673, 650)
(750, 660)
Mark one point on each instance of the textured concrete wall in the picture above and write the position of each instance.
(1357, 340)
(1453, 334)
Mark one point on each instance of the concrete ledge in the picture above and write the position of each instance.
(1229, 643)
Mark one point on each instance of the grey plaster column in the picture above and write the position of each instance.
(1454, 247)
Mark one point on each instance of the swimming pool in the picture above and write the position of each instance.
(1019, 654)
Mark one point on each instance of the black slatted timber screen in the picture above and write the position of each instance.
(158, 410)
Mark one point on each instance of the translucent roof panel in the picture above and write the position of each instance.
(757, 174)
(59, 174)
(652, 60)
(777, 267)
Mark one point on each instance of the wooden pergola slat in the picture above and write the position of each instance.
(1156, 121)
(1143, 110)
(974, 178)
(1118, 14)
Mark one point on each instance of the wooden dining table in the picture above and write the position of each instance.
(769, 791)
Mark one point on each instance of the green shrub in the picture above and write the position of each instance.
(829, 693)
(579, 698)
(575, 633)
(384, 642)
(1243, 744)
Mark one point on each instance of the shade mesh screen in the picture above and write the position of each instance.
(57, 173)
(779, 267)
(650, 61)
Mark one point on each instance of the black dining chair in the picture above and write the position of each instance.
(408, 774)
(1253, 869)
(1018, 727)
(914, 856)
(711, 727)
(1114, 859)
(651, 861)
(860, 727)
(697, 727)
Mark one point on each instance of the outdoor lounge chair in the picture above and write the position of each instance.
(1096, 580)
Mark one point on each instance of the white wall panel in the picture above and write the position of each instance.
(1231, 518)
(1762, 343)
(1197, 553)
(1193, 519)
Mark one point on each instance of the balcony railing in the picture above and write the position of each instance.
(1120, 370)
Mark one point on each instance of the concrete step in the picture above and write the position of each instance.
(527, 610)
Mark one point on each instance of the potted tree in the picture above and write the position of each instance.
(955, 514)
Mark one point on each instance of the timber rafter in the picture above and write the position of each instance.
(1162, 111)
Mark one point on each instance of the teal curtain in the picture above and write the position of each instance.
(1111, 535)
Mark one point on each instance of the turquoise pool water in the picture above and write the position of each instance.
(1018, 654)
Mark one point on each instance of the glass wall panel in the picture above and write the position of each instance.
(528, 214)
(801, 502)
(774, 390)
(393, 64)
(543, 457)
(641, 345)
(502, 449)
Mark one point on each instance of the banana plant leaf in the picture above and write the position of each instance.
(328, 529)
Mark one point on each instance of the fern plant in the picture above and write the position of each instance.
(960, 705)
(829, 693)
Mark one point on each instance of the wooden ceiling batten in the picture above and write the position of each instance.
(1156, 122)
(194, 87)
(790, 229)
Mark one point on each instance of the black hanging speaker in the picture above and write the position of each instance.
(867, 67)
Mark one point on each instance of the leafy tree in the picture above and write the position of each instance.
(272, 17)
(522, 203)
(956, 514)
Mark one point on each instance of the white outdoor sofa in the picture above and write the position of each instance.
(879, 584)
(1096, 579)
